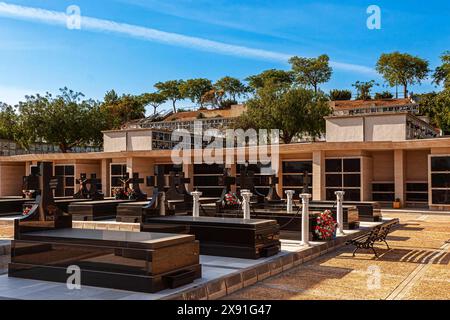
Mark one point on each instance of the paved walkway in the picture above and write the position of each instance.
(416, 267)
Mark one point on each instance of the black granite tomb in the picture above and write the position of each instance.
(45, 246)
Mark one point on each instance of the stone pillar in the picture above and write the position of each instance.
(196, 203)
(318, 183)
(340, 211)
(246, 194)
(305, 218)
(233, 168)
(105, 177)
(399, 174)
(290, 202)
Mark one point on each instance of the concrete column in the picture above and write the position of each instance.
(105, 176)
(130, 166)
(305, 218)
(290, 202)
(196, 203)
(280, 177)
(318, 186)
(233, 171)
(246, 203)
(399, 174)
(340, 211)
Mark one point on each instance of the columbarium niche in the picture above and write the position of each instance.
(343, 174)
(440, 180)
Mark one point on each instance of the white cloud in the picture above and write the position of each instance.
(154, 35)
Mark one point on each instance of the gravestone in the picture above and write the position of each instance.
(272, 195)
(43, 214)
(45, 246)
(226, 181)
(95, 188)
(247, 182)
(138, 195)
(306, 181)
(31, 183)
(140, 211)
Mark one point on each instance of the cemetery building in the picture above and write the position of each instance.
(378, 150)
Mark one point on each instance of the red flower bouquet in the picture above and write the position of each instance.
(326, 226)
(231, 200)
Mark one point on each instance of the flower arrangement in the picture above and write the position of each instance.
(131, 194)
(119, 193)
(231, 199)
(326, 226)
(26, 211)
(29, 194)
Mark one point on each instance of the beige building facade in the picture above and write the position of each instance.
(372, 156)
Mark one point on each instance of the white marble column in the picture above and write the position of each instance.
(305, 218)
(340, 212)
(290, 202)
(246, 203)
(196, 203)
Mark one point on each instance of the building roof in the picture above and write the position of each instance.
(358, 104)
(232, 112)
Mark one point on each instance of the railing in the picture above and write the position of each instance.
(10, 148)
(413, 108)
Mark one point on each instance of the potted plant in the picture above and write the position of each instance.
(397, 204)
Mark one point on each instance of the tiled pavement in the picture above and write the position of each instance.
(416, 267)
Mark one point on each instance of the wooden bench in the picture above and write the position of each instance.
(368, 240)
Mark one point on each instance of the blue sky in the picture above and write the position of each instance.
(192, 38)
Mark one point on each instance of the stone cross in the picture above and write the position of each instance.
(305, 218)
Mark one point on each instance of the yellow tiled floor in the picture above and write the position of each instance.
(416, 267)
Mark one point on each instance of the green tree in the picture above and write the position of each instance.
(171, 91)
(213, 98)
(273, 77)
(194, 89)
(8, 121)
(111, 97)
(336, 95)
(402, 68)
(154, 99)
(295, 111)
(436, 106)
(122, 110)
(383, 95)
(442, 73)
(65, 120)
(311, 72)
(232, 88)
(363, 88)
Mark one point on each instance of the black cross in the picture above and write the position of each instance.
(226, 181)
(158, 180)
(83, 192)
(180, 182)
(306, 181)
(94, 186)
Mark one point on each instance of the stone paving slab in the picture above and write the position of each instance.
(416, 267)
